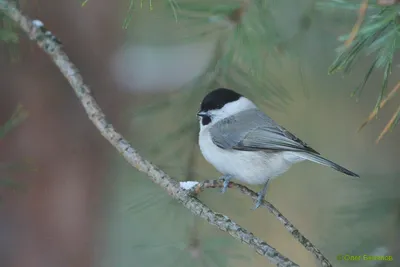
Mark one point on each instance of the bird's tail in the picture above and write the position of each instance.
(323, 161)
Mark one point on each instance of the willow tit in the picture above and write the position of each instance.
(243, 143)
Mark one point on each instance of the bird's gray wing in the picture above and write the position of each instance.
(252, 130)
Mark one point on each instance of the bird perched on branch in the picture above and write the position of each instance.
(243, 143)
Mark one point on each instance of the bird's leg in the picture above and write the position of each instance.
(261, 196)
(226, 179)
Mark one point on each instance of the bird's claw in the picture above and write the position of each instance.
(226, 180)
(258, 202)
(226, 183)
(261, 196)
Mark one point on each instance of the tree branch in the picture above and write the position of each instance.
(49, 44)
(290, 227)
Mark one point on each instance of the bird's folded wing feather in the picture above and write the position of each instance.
(252, 130)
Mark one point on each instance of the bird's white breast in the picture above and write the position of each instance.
(246, 166)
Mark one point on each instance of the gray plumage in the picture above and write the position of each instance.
(253, 130)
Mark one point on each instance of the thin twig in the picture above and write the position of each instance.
(49, 44)
(290, 227)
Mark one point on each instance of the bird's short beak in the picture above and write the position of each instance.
(201, 114)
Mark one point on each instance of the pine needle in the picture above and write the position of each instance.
(360, 19)
(390, 124)
(381, 105)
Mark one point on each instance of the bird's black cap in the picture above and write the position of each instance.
(217, 98)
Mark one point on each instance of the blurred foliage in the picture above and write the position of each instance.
(371, 213)
(376, 32)
(17, 117)
(377, 203)
(247, 38)
(251, 47)
(8, 33)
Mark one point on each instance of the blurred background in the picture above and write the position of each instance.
(68, 199)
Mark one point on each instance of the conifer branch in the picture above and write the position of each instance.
(375, 32)
(52, 46)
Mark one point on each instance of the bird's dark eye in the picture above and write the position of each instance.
(205, 120)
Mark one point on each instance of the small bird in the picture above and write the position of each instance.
(243, 143)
